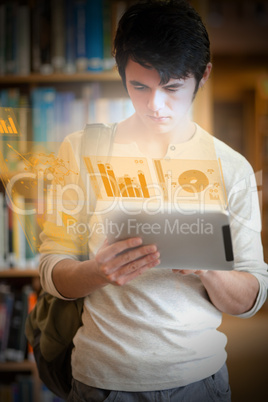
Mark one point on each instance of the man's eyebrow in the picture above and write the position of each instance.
(136, 83)
(174, 85)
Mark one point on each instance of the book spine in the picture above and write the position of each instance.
(35, 38)
(9, 300)
(11, 253)
(23, 40)
(32, 299)
(24, 123)
(45, 37)
(94, 35)
(48, 101)
(10, 37)
(16, 346)
(36, 115)
(108, 60)
(80, 34)
(6, 234)
(2, 39)
(2, 232)
(58, 35)
(70, 49)
(6, 308)
(19, 239)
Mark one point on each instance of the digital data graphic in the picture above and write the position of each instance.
(175, 179)
(8, 122)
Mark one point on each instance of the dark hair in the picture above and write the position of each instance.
(167, 35)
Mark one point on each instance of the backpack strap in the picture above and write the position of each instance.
(97, 139)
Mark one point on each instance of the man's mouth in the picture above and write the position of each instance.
(158, 119)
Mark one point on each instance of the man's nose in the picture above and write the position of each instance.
(156, 101)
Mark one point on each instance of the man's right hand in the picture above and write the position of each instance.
(123, 261)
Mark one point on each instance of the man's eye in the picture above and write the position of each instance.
(172, 89)
(139, 87)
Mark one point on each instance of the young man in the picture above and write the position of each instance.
(150, 333)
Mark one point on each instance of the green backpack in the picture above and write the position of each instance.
(52, 324)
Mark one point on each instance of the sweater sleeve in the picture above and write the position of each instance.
(243, 203)
(66, 208)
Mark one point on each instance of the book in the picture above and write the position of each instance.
(43, 105)
(23, 40)
(17, 343)
(80, 34)
(6, 308)
(25, 388)
(94, 35)
(58, 35)
(10, 37)
(35, 38)
(41, 37)
(32, 299)
(108, 60)
(2, 39)
(2, 231)
(45, 37)
(18, 231)
(70, 41)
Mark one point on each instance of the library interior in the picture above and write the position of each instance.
(56, 75)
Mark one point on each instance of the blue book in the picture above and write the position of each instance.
(38, 130)
(94, 35)
(108, 60)
(43, 104)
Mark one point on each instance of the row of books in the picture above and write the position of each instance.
(22, 390)
(14, 307)
(50, 36)
(18, 234)
(48, 114)
(56, 114)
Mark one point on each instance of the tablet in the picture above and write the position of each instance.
(185, 240)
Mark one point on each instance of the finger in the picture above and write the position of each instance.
(132, 258)
(138, 263)
(112, 250)
(131, 272)
(183, 271)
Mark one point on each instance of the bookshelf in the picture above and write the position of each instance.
(23, 368)
(34, 69)
(104, 76)
(23, 373)
(19, 273)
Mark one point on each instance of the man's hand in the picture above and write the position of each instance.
(121, 262)
(115, 264)
(232, 292)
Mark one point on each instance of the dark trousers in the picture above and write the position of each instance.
(215, 388)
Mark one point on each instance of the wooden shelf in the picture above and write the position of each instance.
(111, 75)
(18, 366)
(19, 273)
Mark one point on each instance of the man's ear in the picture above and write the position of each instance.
(206, 75)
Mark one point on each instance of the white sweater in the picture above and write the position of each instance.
(160, 330)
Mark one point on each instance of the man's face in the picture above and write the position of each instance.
(162, 108)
